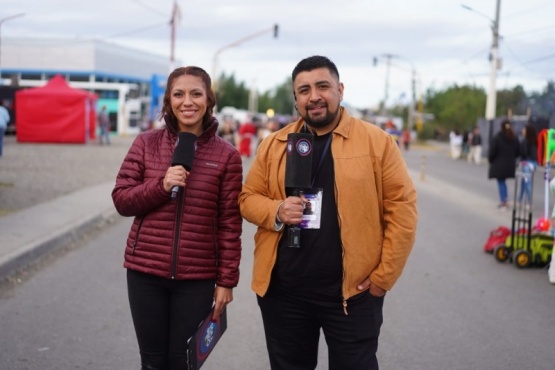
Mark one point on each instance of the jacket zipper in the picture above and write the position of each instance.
(176, 233)
(215, 236)
(137, 237)
(342, 251)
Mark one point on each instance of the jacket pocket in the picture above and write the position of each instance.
(136, 239)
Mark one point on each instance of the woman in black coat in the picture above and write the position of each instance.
(502, 156)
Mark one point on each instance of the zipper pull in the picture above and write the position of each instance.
(345, 308)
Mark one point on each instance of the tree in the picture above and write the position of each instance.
(456, 108)
(513, 100)
(231, 94)
(279, 99)
(543, 104)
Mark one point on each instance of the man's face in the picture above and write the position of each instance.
(318, 95)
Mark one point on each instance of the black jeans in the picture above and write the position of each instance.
(292, 327)
(166, 313)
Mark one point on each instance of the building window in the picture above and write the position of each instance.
(31, 76)
(79, 78)
(107, 94)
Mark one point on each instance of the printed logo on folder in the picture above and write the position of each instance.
(204, 340)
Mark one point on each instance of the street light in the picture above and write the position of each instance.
(1, 22)
(494, 62)
(274, 29)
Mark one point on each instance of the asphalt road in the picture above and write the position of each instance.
(454, 307)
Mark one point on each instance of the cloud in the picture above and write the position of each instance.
(443, 42)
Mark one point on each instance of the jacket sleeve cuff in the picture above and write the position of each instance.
(278, 224)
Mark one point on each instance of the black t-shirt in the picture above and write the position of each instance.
(315, 270)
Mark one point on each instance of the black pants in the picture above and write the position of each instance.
(292, 327)
(166, 313)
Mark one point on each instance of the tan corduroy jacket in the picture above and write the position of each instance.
(376, 203)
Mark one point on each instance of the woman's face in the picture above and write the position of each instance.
(189, 103)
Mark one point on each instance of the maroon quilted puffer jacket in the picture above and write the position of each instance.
(198, 235)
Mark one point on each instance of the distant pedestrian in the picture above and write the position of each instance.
(406, 138)
(475, 153)
(455, 142)
(465, 149)
(263, 132)
(4, 120)
(502, 156)
(529, 160)
(104, 125)
(228, 131)
(247, 132)
(391, 129)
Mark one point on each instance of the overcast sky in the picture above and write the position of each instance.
(441, 40)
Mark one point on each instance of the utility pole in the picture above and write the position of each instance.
(175, 18)
(411, 113)
(386, 95)
(494, 66)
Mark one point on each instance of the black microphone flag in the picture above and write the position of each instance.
(183, 154)
(298, 165)
(298, 174)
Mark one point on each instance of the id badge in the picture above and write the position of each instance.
(312, 212)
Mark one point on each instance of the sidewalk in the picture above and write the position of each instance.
(34, 231)
(51, 194)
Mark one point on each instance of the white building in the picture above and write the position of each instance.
(129, 82)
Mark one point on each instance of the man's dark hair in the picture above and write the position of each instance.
(313, 62)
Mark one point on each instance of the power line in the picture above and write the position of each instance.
(150, 8)
(521, 12)
(541, 58)
(532, 30)
(137, 30)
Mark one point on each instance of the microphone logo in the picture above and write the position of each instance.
(303, 147)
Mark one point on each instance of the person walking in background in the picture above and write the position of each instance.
(502, 156)
(391, 129)
(475, 153)
(182, 255)
(465, 147)
(247, 132)
(336, 280)
(455, 142)
(104, 125)
(4, 120)
(529, 161)
(228, 131)
(263, 132)
(406, 138)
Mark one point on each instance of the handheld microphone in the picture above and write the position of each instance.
(298, 174)
(183, 154)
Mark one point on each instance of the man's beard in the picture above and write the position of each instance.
(321, 121)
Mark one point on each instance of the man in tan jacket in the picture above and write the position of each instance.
(365, 206)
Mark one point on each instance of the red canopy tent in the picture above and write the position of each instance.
(55, 113)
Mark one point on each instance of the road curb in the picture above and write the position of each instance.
(35, 231)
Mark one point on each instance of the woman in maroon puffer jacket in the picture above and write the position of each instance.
(182, 254)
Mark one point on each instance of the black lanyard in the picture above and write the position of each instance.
(326, 148)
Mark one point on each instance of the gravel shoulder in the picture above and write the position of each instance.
(34, 173)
